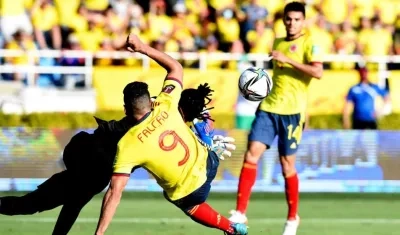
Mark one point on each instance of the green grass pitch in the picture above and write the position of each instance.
(150, 214)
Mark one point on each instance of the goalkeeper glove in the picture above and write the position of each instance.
(223, 146)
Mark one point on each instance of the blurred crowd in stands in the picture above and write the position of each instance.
(367, 27)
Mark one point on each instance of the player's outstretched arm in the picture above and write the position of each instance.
(173, 67)
(110, 202)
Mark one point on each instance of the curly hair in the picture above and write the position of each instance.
(193, 102)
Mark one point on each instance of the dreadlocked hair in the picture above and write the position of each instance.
(193, 102)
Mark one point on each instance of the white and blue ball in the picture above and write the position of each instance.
(255, 84)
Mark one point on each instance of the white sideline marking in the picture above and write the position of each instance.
(182, 220)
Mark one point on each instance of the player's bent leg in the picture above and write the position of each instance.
(85, 187)
(47, 196)
(69, 213)
(204, 214)
(24, 205)
(260, 137)
(247, 179)
(198, 210)
(31, 203)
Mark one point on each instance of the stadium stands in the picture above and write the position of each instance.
(343, 27)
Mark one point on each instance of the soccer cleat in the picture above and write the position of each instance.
(237, 217)
(291, 226)
(238, 229)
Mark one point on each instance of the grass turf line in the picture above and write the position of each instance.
(138, 213)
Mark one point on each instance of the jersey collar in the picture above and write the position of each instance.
(143, 118)
(290, 40)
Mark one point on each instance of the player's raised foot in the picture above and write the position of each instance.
(238, 229)
(237, 217)
(291, 226)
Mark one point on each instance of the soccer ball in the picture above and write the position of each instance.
(255, 84)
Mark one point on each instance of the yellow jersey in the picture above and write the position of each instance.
(324, 38)
(13, 8)
(27, 44)
(67, 10)
(389, 10)
(165, 146)
(45, 18)
(160, 26)
(221, 4)
(289, 93)
(229, 30)
(260, 43)
(371, 48)
(335, 11)
(90, 40)
(96, 5)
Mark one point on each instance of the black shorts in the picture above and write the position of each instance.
(364, 125)
(62, 188)
(52, 193)
(88, 165)
(76, 150)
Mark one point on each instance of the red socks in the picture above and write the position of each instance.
(207, 216)
(246, 181)
(292, 195)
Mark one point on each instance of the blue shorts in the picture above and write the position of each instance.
(266, 126)
(199, 195)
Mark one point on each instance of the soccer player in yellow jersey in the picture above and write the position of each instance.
(163, 144)
(88, 160)
(296, 60)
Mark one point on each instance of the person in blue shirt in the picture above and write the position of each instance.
(252, 11)
(360, 101)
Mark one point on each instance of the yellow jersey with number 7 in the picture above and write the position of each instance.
(165, 146)
(289, 93)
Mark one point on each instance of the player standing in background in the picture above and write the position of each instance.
(296, 60)
(165, 146)
(361, 104)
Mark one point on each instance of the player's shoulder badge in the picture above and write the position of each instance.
(168, 89)
(293, 48)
